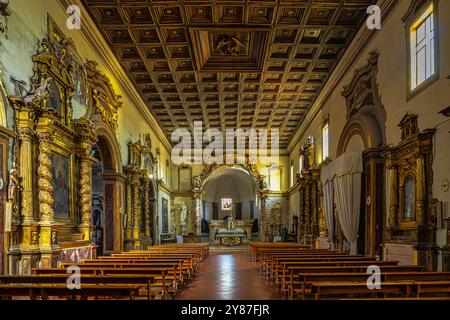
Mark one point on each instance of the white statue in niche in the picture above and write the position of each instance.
(231, 223)
(183, 219)
(179, 217)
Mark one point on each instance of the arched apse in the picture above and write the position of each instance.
(234, 183)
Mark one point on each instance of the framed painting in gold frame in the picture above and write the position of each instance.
(63, 173)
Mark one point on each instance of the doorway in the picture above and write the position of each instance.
(102, 199)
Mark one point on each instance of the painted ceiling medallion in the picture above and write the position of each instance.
(229, 45)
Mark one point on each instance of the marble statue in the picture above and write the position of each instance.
(231, 223)
(179, 218)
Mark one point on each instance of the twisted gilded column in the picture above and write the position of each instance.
(264, 231)
(314, 204)
(45, 196)
(86, 162)
(136, 210)
(129, 210)
(420, 185)
(196, 211)
(146, 189)
(85, 139)
(323, 229)
(307, 210)
(393, 196)
(301, 214)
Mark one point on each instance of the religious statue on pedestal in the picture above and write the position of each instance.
(231, 223)
(179, 218)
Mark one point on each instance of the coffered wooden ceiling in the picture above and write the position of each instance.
(231, 64)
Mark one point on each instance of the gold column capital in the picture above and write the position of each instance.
(25, 133)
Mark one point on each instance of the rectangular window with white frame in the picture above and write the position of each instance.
(422, 48)
(325, 142)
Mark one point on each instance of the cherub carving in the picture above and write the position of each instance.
(42, 91)
(13, 183)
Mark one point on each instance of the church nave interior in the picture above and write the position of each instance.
(224, 150)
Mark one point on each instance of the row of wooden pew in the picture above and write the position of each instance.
(157, 273)
(321, 274)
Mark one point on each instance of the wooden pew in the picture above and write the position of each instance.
(404, 288)
(166, 278)
(305, 279)
(44, 291)
(257, 247)
(195, 260)
(143, 281)
(293, 279)
(183, 271)
(186, 265)
(432, 287)
(278, 263)
(267, 259)
(323, 290)
(159, 271)
(338, 263)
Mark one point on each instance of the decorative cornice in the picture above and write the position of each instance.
(347, 62)
(293, 189)
(98, 44)
(274, 194)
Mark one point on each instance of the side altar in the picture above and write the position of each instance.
(230, 232)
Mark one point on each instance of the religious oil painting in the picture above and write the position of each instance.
(165, 215)
(226, 204)
(75, 64)
(409, 199)
(54, 101)
(61, 172)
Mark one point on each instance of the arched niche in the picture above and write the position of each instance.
(102, 113)
(365, 131)
(229, 183)
(208, 173)
(366, 115)
(366, 127)
(355, 144)
(241, 185)
(109, 147)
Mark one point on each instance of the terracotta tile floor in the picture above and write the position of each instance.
(229, 275)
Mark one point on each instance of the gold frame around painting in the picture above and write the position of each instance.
(71, 216)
